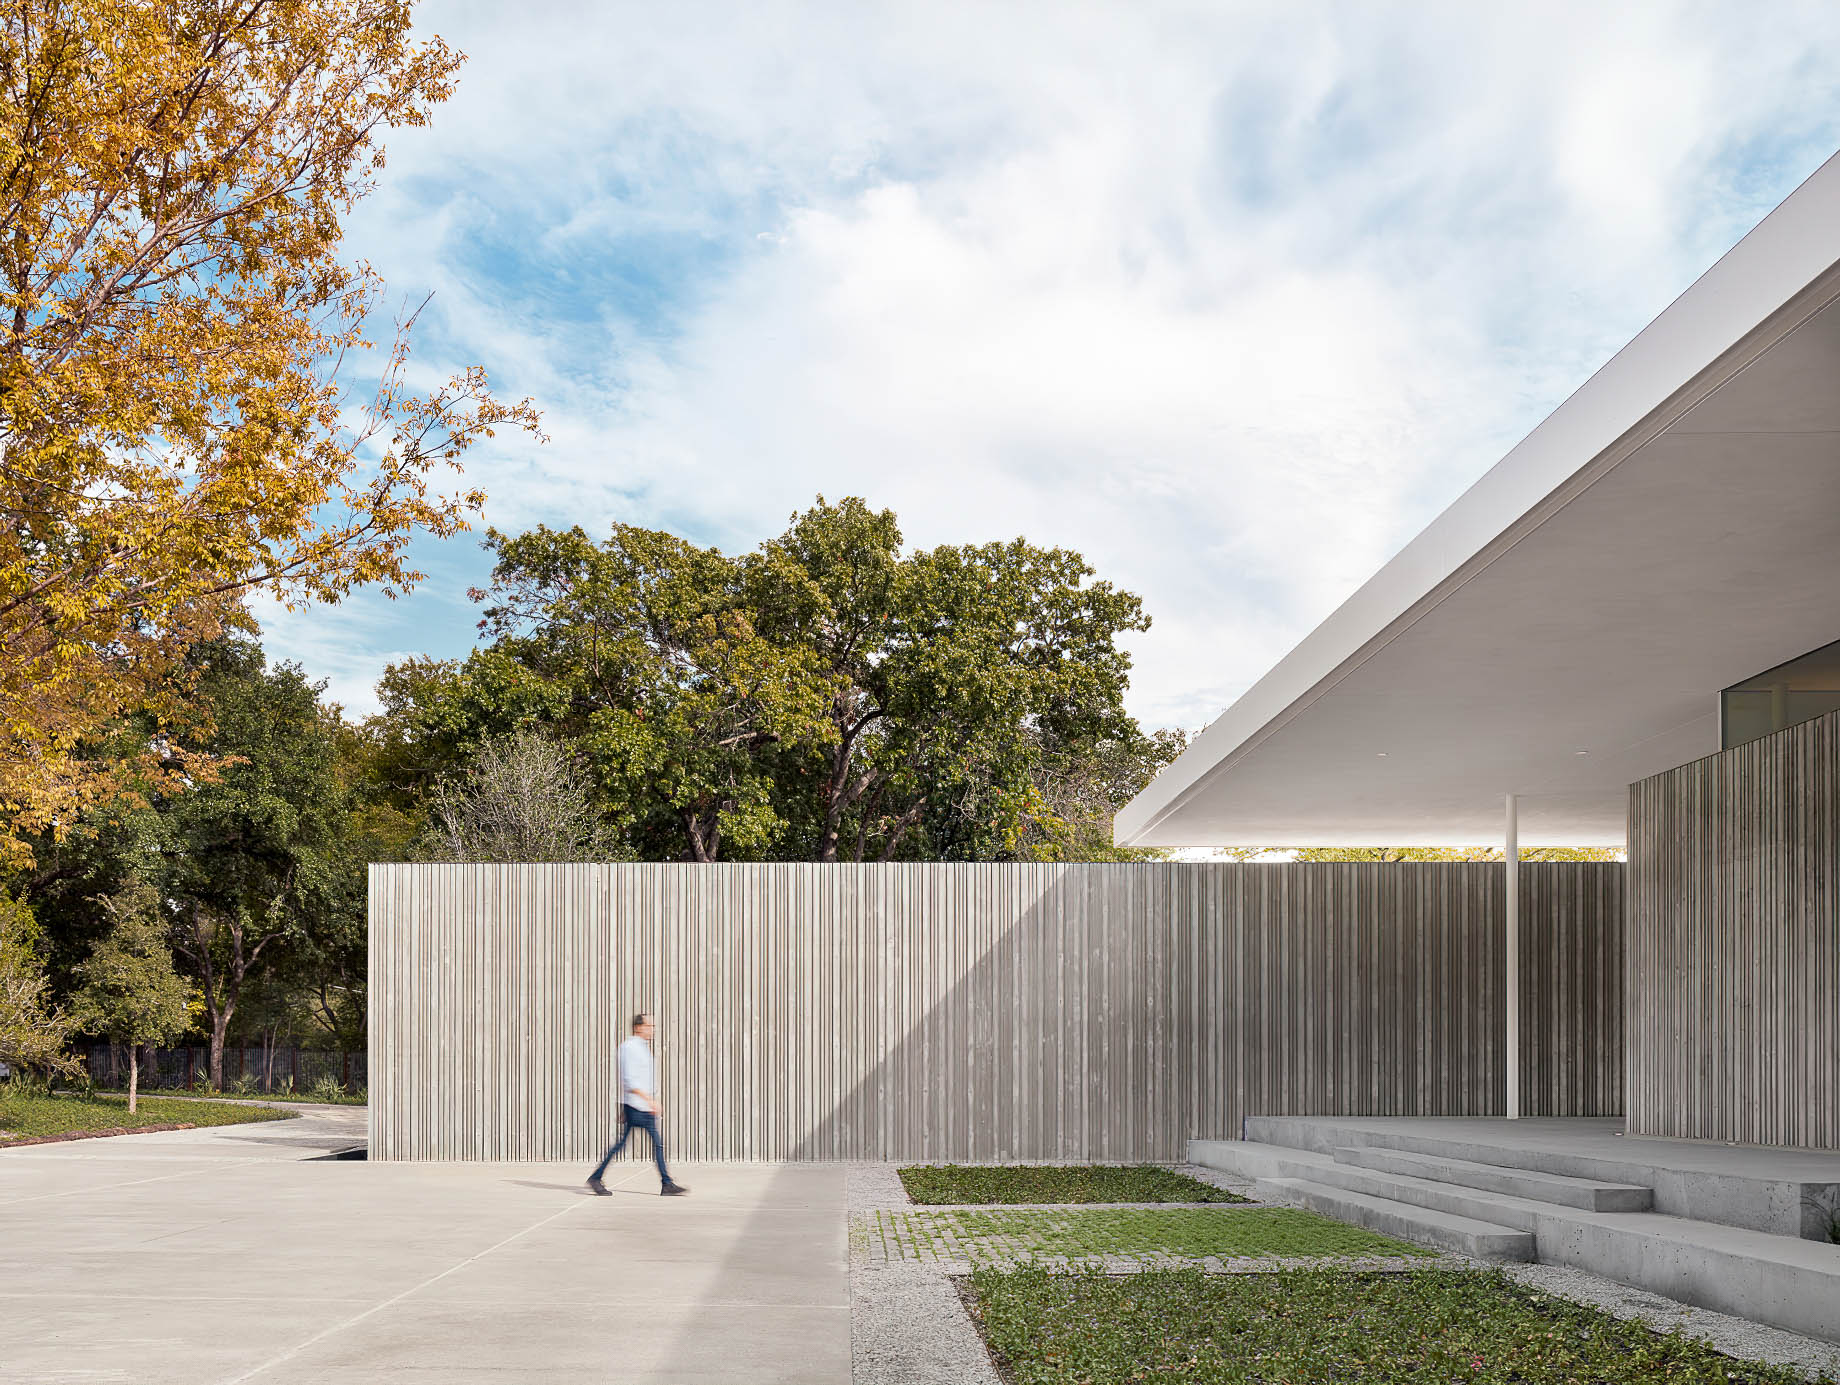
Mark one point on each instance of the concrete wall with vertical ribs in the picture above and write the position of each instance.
(1734, 944)
(973, 1012)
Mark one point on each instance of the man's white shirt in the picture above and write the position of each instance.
(638, 1073)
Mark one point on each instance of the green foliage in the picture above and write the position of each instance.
(828, 696)
(1040, 1183)
(33, 1031)
(328, 1088)
(25, 1114)
(1455, 853)
(1323, 1327)
(129, 989)
(259, 865)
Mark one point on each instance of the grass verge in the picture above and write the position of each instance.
(1128, 1233)
(943, 1184)
(318, 1098)
(31, 1116)
(1323, 1327)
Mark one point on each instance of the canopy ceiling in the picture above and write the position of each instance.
(1566, 626)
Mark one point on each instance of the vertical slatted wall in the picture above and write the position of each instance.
(1734, 944)
(969, 1011)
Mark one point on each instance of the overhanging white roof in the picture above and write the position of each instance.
(1565, 627)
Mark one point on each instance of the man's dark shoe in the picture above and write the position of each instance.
(672, 1190)
(599, 1188)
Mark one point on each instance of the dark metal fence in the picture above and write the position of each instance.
(262, 1069)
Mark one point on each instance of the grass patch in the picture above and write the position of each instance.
(25, 1116)
(1080, 1233)
(315, 1096)
(942, 1184)
(1323, 1327)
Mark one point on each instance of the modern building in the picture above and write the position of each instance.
(1627, 632)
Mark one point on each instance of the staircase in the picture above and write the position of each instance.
(1489, 1196)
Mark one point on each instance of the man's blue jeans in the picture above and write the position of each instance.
(636, 1119)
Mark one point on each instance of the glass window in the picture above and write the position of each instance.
(1799, 690)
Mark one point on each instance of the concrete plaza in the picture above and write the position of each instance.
(244, 1253)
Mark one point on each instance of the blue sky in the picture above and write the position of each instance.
(1231, 298)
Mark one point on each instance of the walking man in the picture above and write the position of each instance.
(639, 1106)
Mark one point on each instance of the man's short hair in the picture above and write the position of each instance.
(640, 1018)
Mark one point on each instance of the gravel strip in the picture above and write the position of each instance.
(908, 1325)
(1748, 1341)
(875, 1185)
(1233, 1183)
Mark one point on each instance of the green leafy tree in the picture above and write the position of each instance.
(255, 862)
(827, 697)
(651, 654)
(129, 989)
(33, 1031)
(1455, 853)
(953, 673)
(261, 860)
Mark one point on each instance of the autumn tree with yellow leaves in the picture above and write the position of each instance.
(174, 315)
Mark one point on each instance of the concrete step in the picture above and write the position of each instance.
(1776, 1191)
(1257, 1161)
(1784, 1281)
(1249, 1159)
(1480, 1239)
(1589, 1194)
(1449, 1199)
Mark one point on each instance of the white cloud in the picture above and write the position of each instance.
(1231, 298)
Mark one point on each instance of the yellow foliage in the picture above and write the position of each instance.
(173, 313)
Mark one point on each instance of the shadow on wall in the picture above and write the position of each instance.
(975, 1012)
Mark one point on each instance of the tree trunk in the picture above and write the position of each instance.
(220, 1022)
(134, 1077)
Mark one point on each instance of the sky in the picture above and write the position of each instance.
(1231, 298)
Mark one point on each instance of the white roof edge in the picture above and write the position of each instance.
(1778, 260)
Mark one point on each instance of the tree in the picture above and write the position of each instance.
(951, 671)
(650, 652)
(1455, 853)
(175, 317)
(325, 967)
(524, 800)
(253, 862)
(33, 1031)
(1080, 788)
(130, 990)
(828, 696)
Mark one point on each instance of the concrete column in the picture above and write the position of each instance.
(1511, 860)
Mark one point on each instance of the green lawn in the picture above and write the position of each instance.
(1323, 1327)
(937, 1184)
(23, 1116)
(1153, 1233)
(202, 1093)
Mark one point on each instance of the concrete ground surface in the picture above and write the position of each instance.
(243, 1253)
